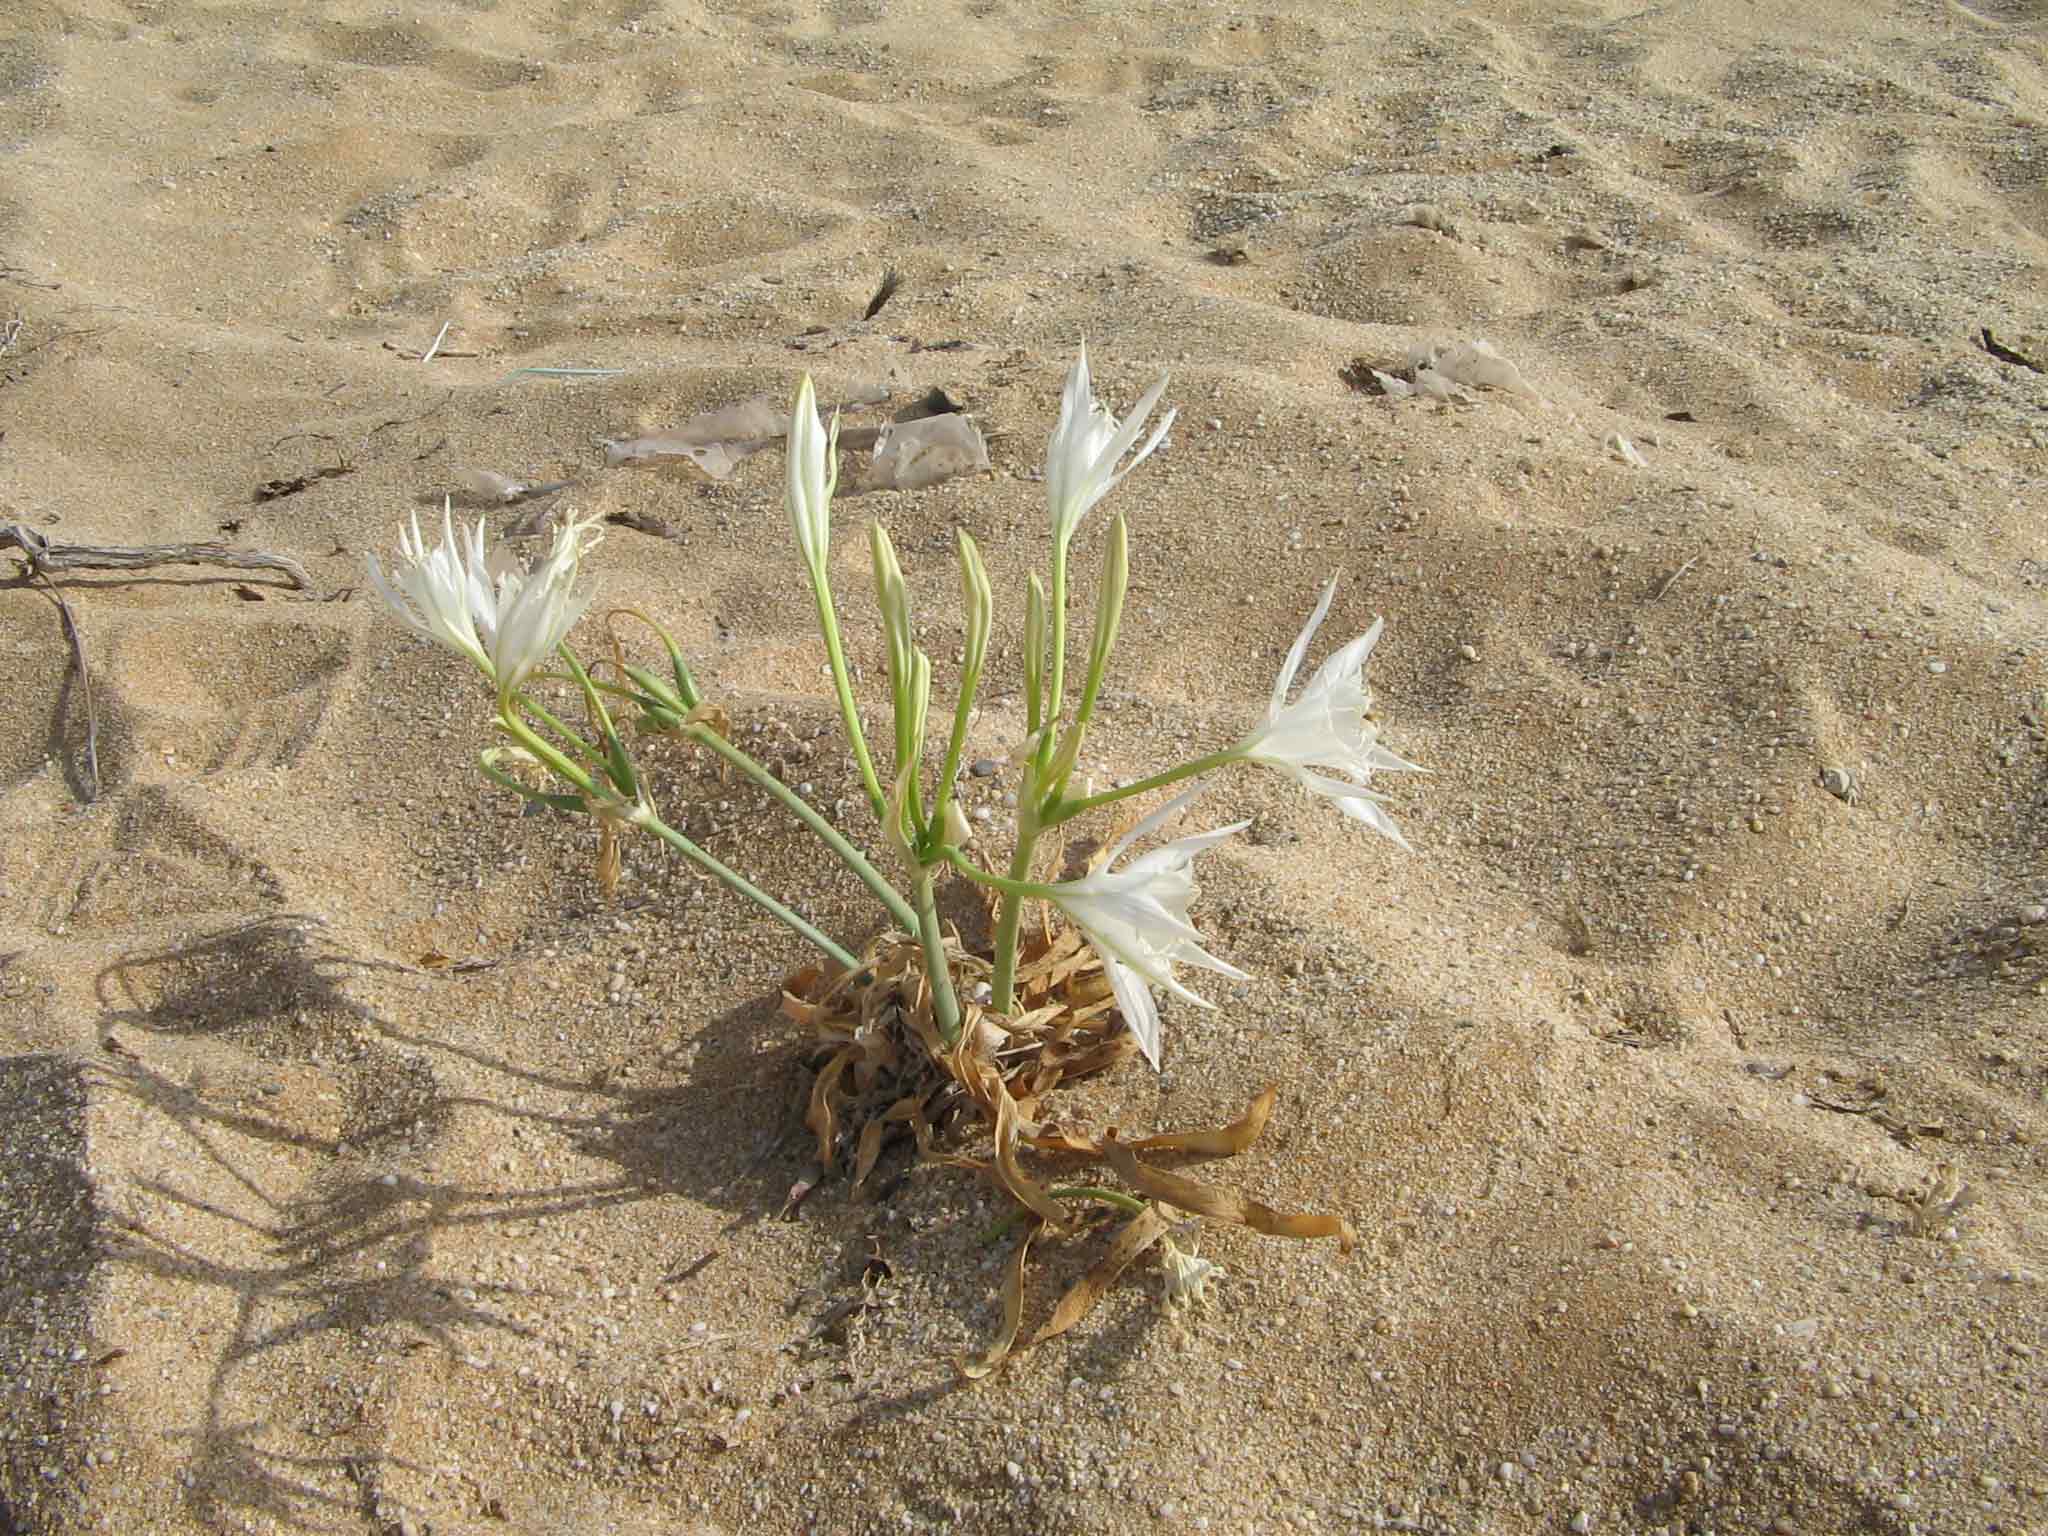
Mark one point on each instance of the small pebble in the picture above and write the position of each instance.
(1937, 667)
(1581, 1523)
(983, 767)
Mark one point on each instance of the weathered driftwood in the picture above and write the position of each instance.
(44, 556)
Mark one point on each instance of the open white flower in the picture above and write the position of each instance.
(439, 592)
(507, 620)
(537, 609)
(811, 471)
(1137, 920)
(1328, 728)
(1086, 443)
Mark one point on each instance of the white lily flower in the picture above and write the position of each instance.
(506, 620)
(537, 609)
(439, 592)
(1081, 457)
(811, 471)
(1137, 920)
(1329, 728)
(1187, 1274)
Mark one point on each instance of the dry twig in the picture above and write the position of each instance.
(92, 718)
(1672, 580)
(45, 556)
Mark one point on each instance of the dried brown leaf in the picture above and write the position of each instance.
(1226, 1142)
(1013, 1313)
(870, 1149)
(1132, 1239)
(1027, 1191)
(1226, 1205)
(822, 1119)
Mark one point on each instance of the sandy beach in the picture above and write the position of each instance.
(366, 1168)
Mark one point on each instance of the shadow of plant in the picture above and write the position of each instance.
(247, 974)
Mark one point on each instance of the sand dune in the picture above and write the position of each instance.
(1625, 1077)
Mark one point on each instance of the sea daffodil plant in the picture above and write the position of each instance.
(512, 623)
(939, 1044)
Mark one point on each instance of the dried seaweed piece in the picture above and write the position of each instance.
(2006, 354)
(1368, 378)
(642, 521)
(1428, 216)
(718, 441)
(277, 490)
(891, 281)
(1437, 386)
(1225, 1205)
(1475, 363)
(914, 454)
(486, 487)
(715, 441)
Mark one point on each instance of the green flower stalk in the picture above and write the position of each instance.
(811, 474)
(978, 600)
(1109, 608)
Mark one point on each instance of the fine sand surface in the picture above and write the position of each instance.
(1690, 1108)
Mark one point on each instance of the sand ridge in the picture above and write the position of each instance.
(1622, 1076)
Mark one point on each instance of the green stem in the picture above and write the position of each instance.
(546, 753)
(540, 711)
(1115, 1197)
(1067, 810)
(899, 909)
(842, 683)
(1009, 918)
(945, 1003)
(980, 876)
(736, 881)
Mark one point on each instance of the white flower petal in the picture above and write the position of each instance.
(1299, 650)
(1357, 802)
(1136, 918)
(1153, 822)
(1134, 1002)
